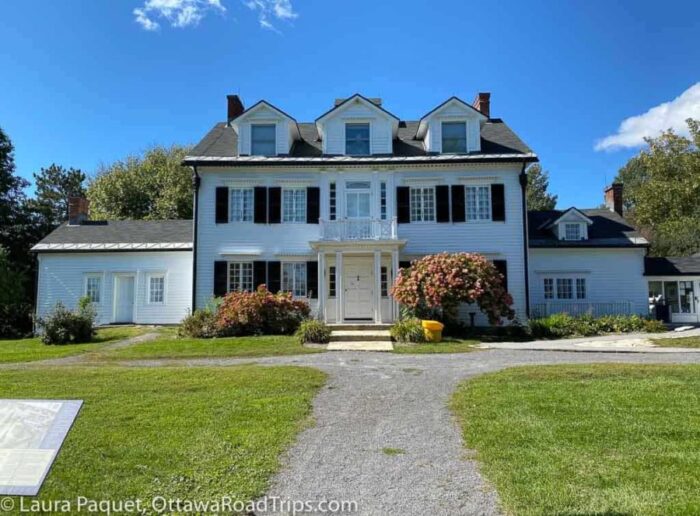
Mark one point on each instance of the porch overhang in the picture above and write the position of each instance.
(357, 245)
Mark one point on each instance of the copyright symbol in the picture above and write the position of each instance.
(7, 504)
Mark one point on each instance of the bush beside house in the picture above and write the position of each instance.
(563, 325)
(63, 326)
(313, 331)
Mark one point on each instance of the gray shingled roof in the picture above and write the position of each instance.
(608, 230)
(119, 234)
(497, 139)
(672, 266)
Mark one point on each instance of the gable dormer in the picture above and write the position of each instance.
(454, 127)
(357, 126)
(572, 225)
(264, 130)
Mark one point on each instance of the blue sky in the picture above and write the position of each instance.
(87, 82)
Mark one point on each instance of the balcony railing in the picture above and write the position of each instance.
(358, 229)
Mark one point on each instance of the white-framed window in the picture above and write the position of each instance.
(331, 281)
(422, 204)
(240, 276)
(382, 201)
(580, 288)
(93, 287)
(565, 288)
(263, 139)
(454, 137)
(294, 205)
(332, 201)
(572, 231)
(294, 278)
(478, 203)
(357, 139)
(384, 283)
(548, 288)
(156, 289)
(241, 205)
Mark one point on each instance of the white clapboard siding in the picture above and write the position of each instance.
(613, 276)
(62, 278)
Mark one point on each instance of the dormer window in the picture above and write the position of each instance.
(454, 137)
(357, 139)
(263, 141)
(572, 231)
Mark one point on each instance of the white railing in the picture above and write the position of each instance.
(358, 229)
(581, 308)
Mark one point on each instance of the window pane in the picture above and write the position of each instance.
(263, 140)
(685, 289)
(671, 295)
(240, 276)
(478, 200)
(357, 139)
(422, 204)
(92, 288)
(294, 205)
(156, 289)
(241, 204)
(332, 201)
(580, 288)
(382, 201)
(331, 281)
(454, 137)
(294, 278)
(385, 281)
(565, 288)
(548, 288)
(572, 231)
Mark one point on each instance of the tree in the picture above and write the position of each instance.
(662, 184)
(152, 187)
(537, 183)
(441, 282)
(54, 185)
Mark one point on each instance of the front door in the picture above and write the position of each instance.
(123, 299)
(358, 280)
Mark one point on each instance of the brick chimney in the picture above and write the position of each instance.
(482, 102)
(77, 210)
(613, 198)
(235, 107)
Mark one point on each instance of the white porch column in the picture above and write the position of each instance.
(321, 294)
(378, 287)
(394, 274)
(339, 287)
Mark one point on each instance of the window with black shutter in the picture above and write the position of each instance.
(220, 278)
(274, 199)
(502, 267)
(458, 213)
(403, 204)
(259, 274)
(312, 279)
(260, 205)
(313, 204)
(221, 205)
(442, 203)
(498, 202)
(274, 279)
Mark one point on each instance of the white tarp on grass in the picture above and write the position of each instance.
(31, 433)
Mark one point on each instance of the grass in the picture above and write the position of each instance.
(446, 346)
(681, 342)
(29, 350)
(190, 433)
(269, 345)
(599, 439)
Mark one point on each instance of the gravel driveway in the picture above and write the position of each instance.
(375, 401)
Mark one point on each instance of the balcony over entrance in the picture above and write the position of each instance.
(358, 229)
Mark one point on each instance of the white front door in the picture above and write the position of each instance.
(358, 280)
(123, 299)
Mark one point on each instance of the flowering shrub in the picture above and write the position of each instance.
(260, 312)
(437, 284)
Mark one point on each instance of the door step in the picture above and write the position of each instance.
(360, 336)
(360, 346)
(359, 327)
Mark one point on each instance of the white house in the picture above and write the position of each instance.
(331, 209)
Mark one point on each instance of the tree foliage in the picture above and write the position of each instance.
(152, 187)
(538, 198)
(662, 190)
(54, 185)
(441, 282)
(14, 217)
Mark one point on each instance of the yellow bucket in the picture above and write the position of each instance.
(432, 330)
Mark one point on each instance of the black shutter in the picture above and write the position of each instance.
(313, 204)
(221, 204)
(498, 202)
(259, 274)
(312, 279)
(403, 204)
(220, 278)
(502, 267)
(458, 213)
(274, 276)
(274, 205)
(404, 264)
(260, 205)
(442, 203)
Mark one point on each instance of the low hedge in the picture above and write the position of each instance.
(557, 326)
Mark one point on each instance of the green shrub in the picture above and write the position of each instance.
(314, 331)
(201, 324)
(63, 326)
(562, 325)
(15, 320)
(407, 330)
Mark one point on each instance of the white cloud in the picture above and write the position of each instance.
(272, 10)
(178, 13)
(668, 115)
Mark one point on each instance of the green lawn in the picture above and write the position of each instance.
(269, 345)
(175, 432)
(681, 342)
(29, 350)
(599, 439)
(446, 346)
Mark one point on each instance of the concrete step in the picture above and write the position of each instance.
(360, 336)
(359, 326)
(360, 346)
